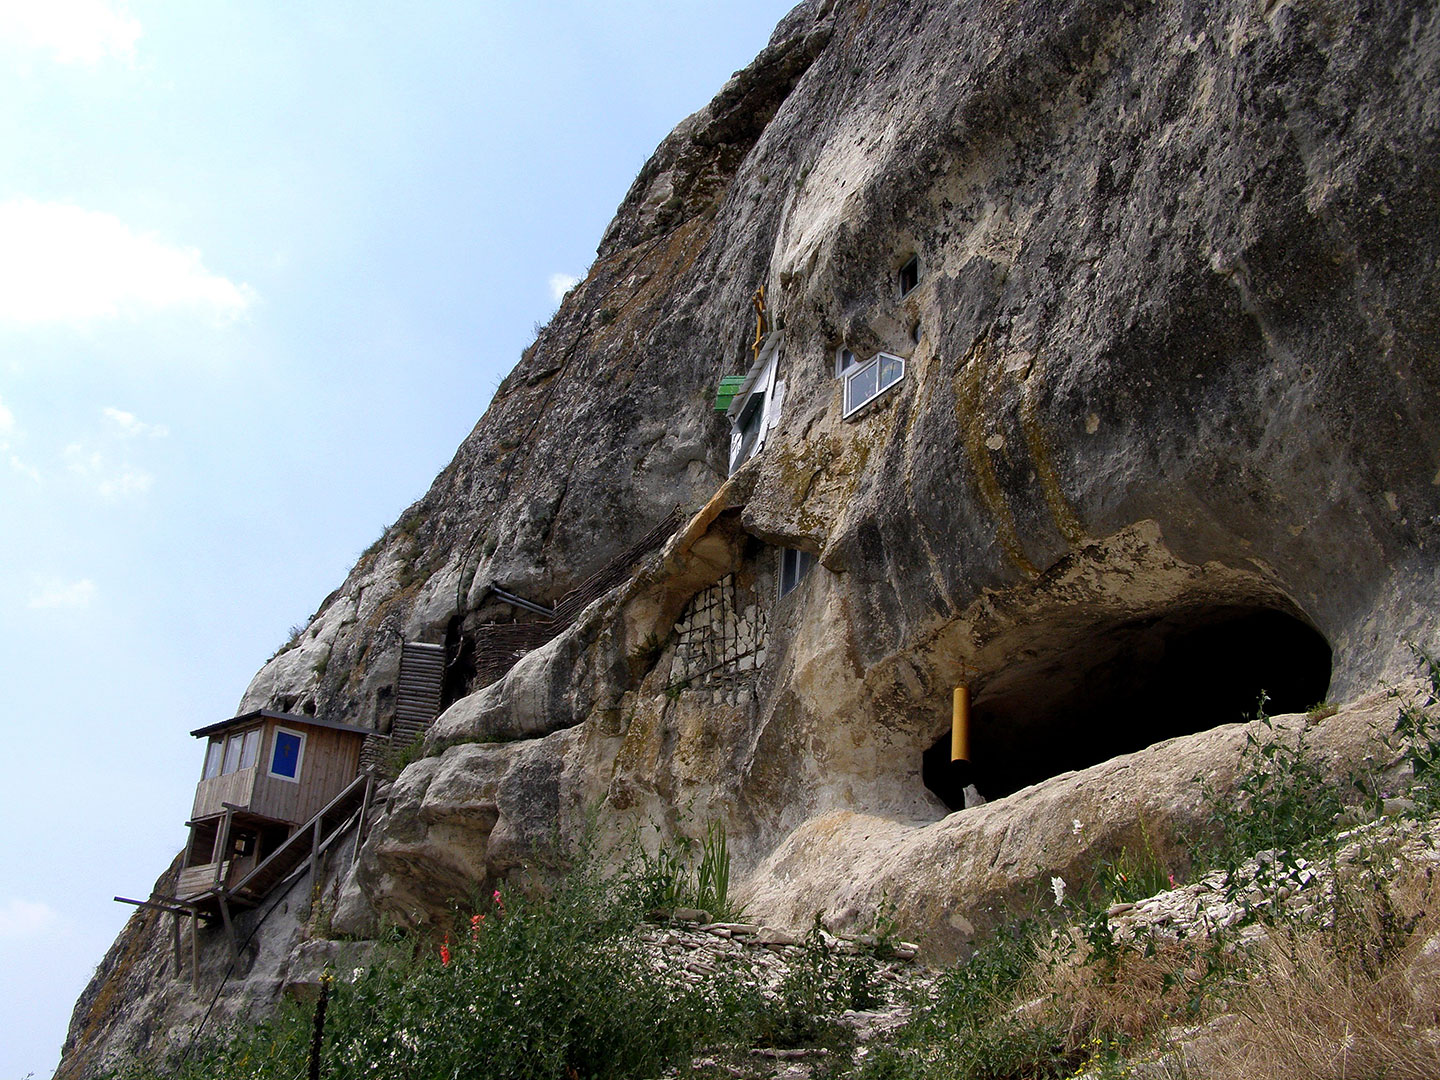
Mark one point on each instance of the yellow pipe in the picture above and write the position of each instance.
(960, 725)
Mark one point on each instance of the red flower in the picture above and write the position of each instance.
(475, 921)
(445, 952)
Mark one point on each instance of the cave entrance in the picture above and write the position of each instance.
(1116, 689)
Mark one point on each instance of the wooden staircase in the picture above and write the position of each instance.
(309, 841)
(417, 693)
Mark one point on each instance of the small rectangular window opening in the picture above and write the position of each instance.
(844, 361)
(794, 565)
(213, 752)
(909, 274)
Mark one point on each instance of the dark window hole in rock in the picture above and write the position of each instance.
(1113, 690)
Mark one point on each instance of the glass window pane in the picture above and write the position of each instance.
(860, 386)
(212, 759)
(251, 750)
(794, 564)
(285, 761)
(891, 368)
(232, 753)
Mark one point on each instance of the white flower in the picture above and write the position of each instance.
(1077, 828)
(1057, 886)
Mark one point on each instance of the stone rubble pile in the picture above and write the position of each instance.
(1275, 883)
(696, 951)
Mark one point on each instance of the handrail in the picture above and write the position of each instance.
(304, 830)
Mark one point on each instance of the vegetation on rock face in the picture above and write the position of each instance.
(1316, 959)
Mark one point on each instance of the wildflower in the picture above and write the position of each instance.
(1057, 886)
(1076, 828)
(445, 952)
(1172, 881)
(475, 921)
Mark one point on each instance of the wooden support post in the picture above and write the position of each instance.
(221, 852)
(194, 949)
(315, 857)
(175, 927)
(360, 825)
(229, 927)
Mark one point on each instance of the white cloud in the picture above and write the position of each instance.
(61, 263)
(74, 31)
(7, 429)
(24, 469)
(131, 426)
(26, 918)
(57, 593)
(112, 481)
(560, 284)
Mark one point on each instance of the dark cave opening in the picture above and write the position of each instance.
(459, 662)
(1113, 690)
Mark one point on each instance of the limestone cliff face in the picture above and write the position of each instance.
(1164, 437)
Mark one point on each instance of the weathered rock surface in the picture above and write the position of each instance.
(1163, 439)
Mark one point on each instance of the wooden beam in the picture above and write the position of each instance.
(221, 852)
(176, 909)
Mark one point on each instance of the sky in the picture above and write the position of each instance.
(262, 266)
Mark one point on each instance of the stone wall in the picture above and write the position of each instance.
(720, 638)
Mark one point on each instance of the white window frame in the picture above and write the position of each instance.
(299, 757)
(853, 375)
(843, 365)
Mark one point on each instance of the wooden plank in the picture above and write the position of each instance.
(235, 788)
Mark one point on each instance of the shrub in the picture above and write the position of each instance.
(819, 984)
(688, 873)
(1283, 801)
(555, 987)
(1417, 736)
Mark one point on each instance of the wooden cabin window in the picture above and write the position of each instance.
(250, 751)
(213, 752)
(287, 754)
(232, 753)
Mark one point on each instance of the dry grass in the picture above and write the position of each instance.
(1355, 996)
(1126, 995)
(1354, 1000)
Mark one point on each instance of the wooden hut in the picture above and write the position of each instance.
(265, 775)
